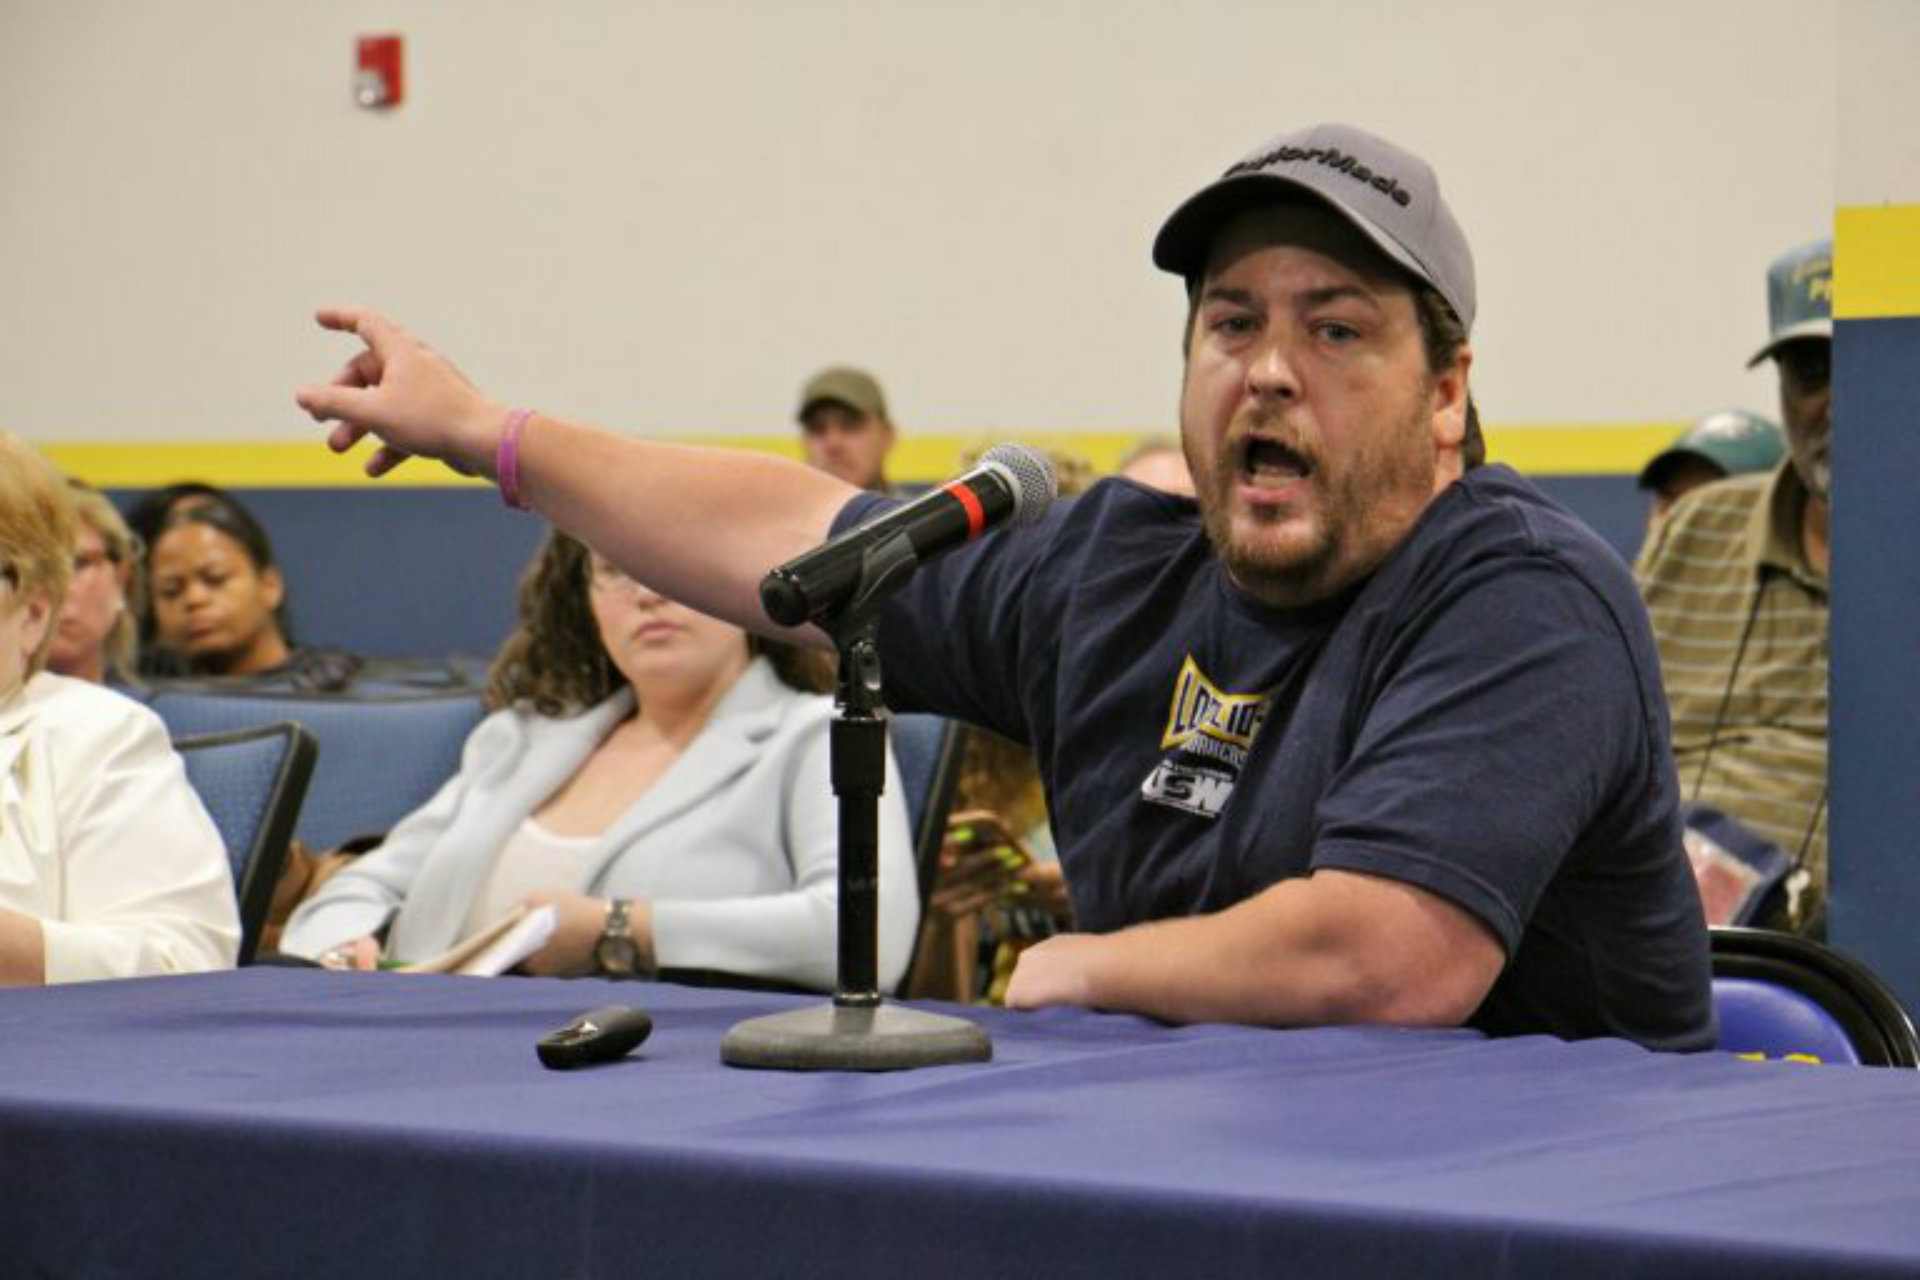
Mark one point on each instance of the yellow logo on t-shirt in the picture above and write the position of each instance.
(1201, 707)
(1208, 735)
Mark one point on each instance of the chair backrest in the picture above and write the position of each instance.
(929, 751)
(380, 758)
(252, 782)
(1780, 994)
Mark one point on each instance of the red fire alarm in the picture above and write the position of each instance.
(379, 82)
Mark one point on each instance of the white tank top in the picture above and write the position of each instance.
(532, 858)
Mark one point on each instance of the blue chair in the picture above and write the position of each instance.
(380, 758)
(1781, 995)
(929, 750)
(252, 782)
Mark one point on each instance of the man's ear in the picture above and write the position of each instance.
(273, 586)
(1450, 391)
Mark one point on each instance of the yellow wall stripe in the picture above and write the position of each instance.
(1876, 262)
(232, 464)
(1574, 449)
(1580, 450)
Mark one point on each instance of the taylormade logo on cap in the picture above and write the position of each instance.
(1333, 158)
(1388, 193)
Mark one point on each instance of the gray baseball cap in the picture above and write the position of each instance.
(1390, 194)
(1734, 440)
(1799, 297)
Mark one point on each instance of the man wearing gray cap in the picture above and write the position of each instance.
(844, 427)
(1367, 733)
(1735, 581)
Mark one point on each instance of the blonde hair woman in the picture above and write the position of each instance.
(109, 866)
(96, 635)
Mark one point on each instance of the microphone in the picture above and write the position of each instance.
(1012, 485)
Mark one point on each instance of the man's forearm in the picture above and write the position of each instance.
(1330, 949)
(699, 525)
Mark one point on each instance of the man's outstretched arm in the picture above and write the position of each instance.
(1334, 947)
(699, 525)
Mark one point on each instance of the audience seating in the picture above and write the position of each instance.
(1782, 995)
(380, 757)
(929, 750)
(252, 782)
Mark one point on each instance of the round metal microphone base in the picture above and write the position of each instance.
(832, 1037)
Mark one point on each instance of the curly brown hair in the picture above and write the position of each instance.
(554, 661)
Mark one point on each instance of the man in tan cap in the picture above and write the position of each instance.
(1736, 585)
(844, 427)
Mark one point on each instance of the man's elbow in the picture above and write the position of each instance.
(1425, 1004)
(1379, 951)
(1366, 991)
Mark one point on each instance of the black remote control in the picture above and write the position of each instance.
(600, 1035)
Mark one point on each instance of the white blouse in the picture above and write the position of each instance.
(103, 840)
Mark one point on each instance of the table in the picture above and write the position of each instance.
(302, 1122)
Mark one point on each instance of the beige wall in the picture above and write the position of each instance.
(1879, 103)
(664, 215)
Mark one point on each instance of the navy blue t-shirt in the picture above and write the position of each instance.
(1481, 717)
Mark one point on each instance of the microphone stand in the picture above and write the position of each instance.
(858, 1031)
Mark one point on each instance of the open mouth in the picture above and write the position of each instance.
(1265, 461)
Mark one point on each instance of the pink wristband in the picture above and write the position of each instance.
(506, 458)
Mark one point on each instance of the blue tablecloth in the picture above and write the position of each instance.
(297, 1122)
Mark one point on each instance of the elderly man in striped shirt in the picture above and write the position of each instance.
(1735, 581)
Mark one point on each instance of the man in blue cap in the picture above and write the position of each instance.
(1366, 732)
(1728, 442)
(1735, 581)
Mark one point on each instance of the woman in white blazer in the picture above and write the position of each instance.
(109, 865)
(657, 775)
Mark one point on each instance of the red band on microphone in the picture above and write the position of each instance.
(976, 514)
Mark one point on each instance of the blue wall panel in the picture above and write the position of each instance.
(1875, 711)
(392, 572)
(1613, 505)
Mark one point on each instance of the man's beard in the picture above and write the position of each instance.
(1815, 468)
(1344, 546)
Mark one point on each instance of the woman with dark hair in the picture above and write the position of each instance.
(145, 517)
(219, 601)
(657, 776)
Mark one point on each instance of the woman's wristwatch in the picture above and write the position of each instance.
(617, 953)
